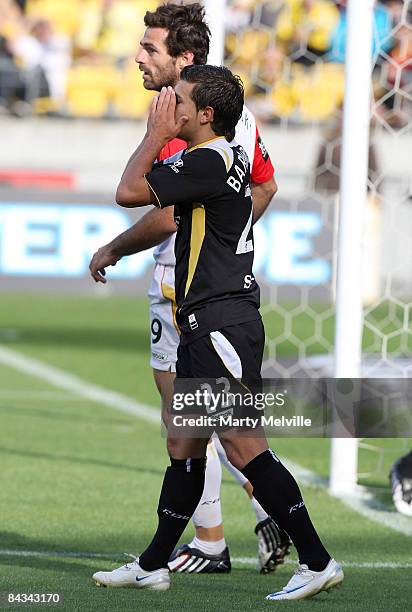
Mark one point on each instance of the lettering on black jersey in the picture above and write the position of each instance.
(214, 245)
(263, 149)
(238, 170)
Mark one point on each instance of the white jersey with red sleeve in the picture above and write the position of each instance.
(247, 135)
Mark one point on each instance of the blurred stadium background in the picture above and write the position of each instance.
(72, 109)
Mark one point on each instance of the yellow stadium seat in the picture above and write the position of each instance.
(115, 32)
(287, 91)
(283, 99)
(312, 94)
(316, 22)
(42, 106)
(91, 89)
(248, 46)
(64, 14)
(323, 94)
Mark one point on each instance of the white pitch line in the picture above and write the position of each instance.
(355, 564)
(363, 504)
(366, 504)
(361, 501)
(74, 384)
(7, 552)
(306, 477)
(11, 394)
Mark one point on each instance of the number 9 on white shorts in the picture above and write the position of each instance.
(164, 336)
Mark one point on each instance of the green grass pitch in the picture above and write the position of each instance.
(79, 482)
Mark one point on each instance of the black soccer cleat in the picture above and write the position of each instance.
(401, 481)
(273, 546)
(194, 561)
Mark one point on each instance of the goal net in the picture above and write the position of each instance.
(291, 57)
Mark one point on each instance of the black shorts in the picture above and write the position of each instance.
(226, 365)
(234, 352)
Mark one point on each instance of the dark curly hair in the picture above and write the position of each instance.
(218, 87)
(187, 29)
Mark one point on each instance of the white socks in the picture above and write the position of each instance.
(209, 548)
(242, 480)
(209, 511)
(261, 515)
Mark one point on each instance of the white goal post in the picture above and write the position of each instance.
(352, 208)
(215, 11)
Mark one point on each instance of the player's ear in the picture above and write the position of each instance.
(207, 115)
(185, 59)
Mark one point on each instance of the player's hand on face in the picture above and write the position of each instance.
(103, 258)
(162, 122)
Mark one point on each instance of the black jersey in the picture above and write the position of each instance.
(209, 186)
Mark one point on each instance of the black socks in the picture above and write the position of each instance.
(278, 493)
(274, 488)
(181, 492)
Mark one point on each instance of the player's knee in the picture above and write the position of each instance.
(182, 448)
(157, 379)
(233, 454)
(164, 383)
(240, 454)
(174, 447)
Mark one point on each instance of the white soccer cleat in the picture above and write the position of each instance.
(132, 575)
(305, 583)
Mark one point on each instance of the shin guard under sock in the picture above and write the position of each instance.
(278, 493)
(181, 491)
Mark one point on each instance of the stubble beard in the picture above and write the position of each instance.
(166, 78)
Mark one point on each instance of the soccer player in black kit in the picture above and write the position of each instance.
(218, 315)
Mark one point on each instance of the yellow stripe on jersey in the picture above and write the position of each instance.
(169, 294)
(226, 158)
(157, 204)
(196, 241)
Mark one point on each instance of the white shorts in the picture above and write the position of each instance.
(164, 338)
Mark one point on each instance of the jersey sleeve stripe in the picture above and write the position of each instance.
(196, 241)
(157, 203)
(226, 158)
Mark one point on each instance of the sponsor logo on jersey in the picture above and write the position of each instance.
(192, 322)
(263, 149)
(246, 121)
(249, 279)
(178, 164)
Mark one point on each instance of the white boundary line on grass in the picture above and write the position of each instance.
(362, 502)
(236, 560)
(74, 384)
(15, 394)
